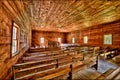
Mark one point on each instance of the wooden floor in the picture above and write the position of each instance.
(88, 73)
(85, 72)
(104, 65)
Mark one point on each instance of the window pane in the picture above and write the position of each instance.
(14, 32)
(73, 40)
(42, 40)
(59, 40)
(108, 39)
(14, 46)
(85, 39)
(14, 40)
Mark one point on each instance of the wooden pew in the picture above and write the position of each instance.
(34, 54)
(108, 72)
(32, 67)
(38, 58)
(117, 77)
(47, 74)
(35, 58)
(43, 54)
(62, 71)
(113, 74)
(33, 63)
(42, 49)
(76, 66)
(77, 57)
(55, 73)
(49, 60)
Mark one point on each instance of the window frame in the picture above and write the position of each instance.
(73, 40)
(59, 39)
(85, 39)
(42, 40)
(107, 40)
(15, 39)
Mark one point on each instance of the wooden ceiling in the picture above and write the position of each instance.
(70, 15)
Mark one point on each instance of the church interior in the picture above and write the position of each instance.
(59, 39)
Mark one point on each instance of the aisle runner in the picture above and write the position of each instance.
(104, 65)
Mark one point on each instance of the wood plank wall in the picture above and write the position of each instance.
(48, 36)
(96, 34)
(6, 61)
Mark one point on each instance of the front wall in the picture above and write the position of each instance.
(95, 34)
(48, 36)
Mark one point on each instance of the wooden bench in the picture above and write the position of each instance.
(117, 77)
(108, 72)
(37, 66)
(76, 66)
(33, 63)
(55, 73)
(34, 69)
(47, 74)
(117, 59)
(42, 54)
(46, 60)
(67, 70)
(113, 74)
(36, 58)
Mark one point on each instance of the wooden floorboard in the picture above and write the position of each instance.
(86, 74)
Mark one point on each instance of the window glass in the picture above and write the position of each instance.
(59, 40)
(73, 40)
(108, 39)
(15, 36)
(85, 39)
(42, 40)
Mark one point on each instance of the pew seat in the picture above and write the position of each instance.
(113, 74)
(48, 74)
(117, 59)
(102, 76)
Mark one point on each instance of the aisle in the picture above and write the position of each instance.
(86, 74)
(104, 65)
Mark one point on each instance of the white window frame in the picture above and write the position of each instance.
(85, 39)
(42, 40)
(15, 39)
(73, 40)
(59, 40)
(108, 39)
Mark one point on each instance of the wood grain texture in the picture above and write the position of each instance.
(64, 15)
(48, 36)
(96, 34)
(7, 15)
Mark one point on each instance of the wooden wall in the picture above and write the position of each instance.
(48, 36)
(96, 34)
(6, 60)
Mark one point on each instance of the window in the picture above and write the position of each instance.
(85, 39)
(108, 39)
(15, 37)
(59, 40)
(73, 40)
(42, 40)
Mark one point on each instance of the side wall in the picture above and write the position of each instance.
(7, 15)
(96, 34)
(48, 36)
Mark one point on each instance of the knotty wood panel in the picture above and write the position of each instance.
(96, 34)
(6, 17)
(48, 36)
